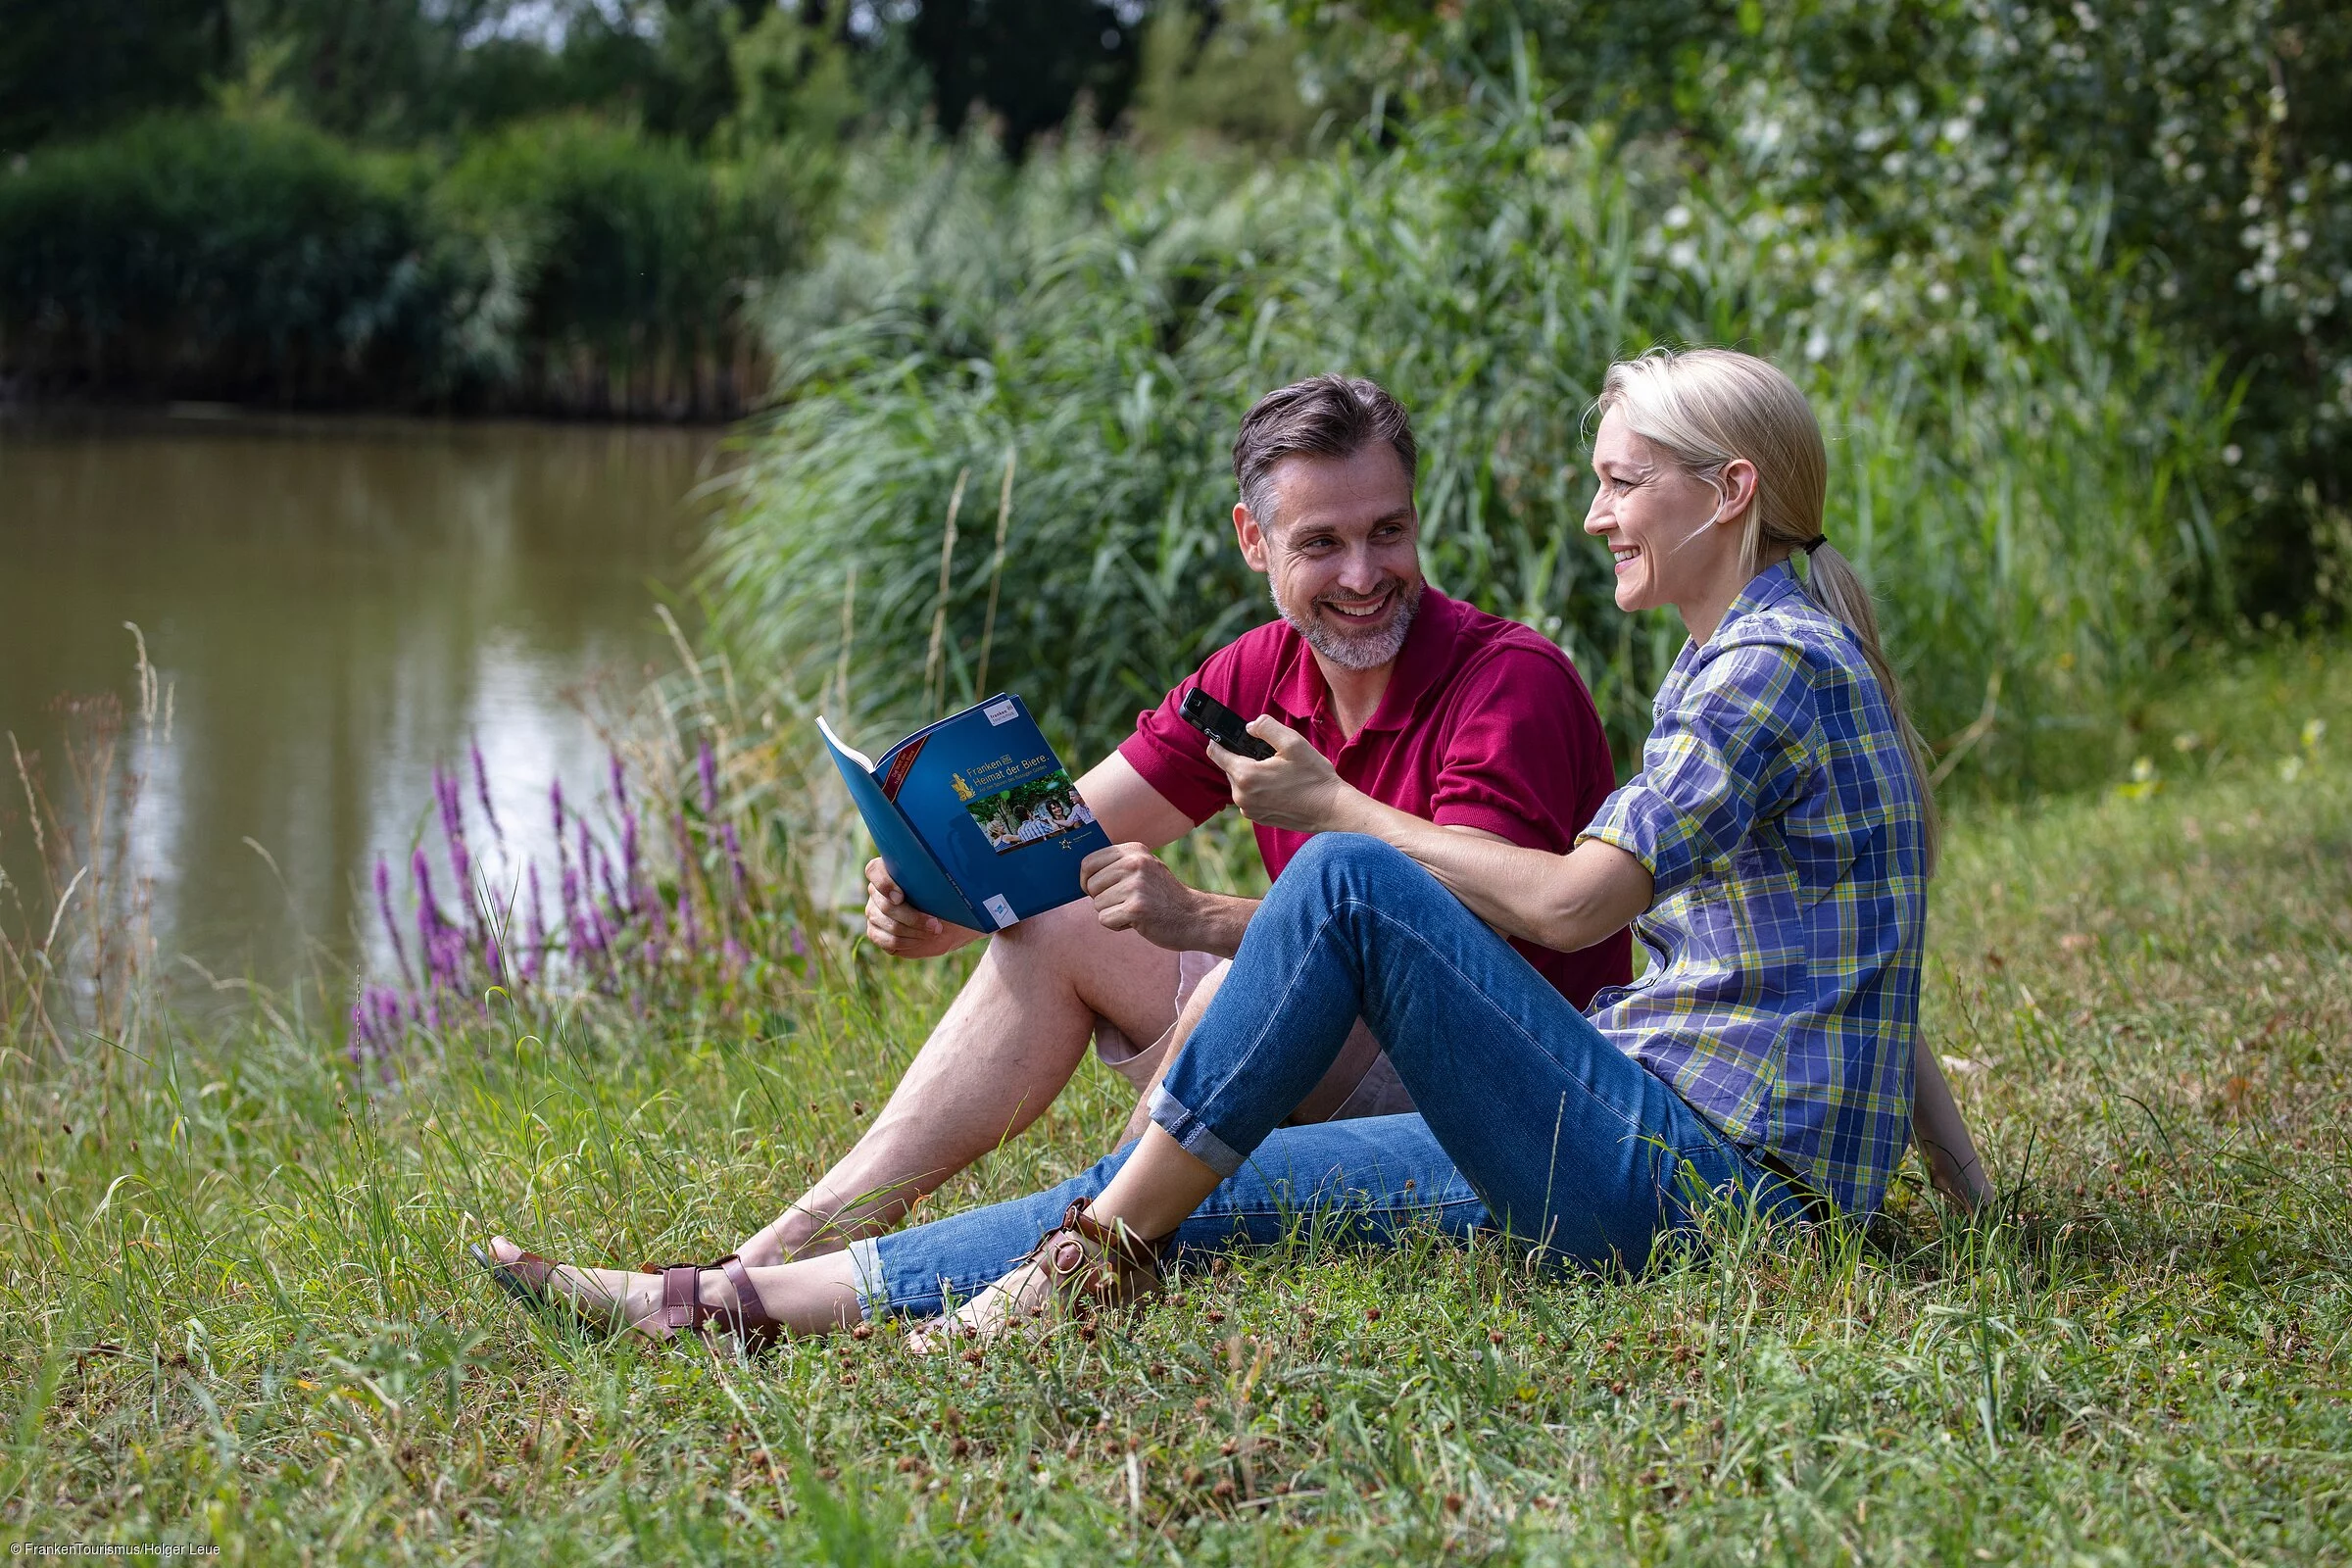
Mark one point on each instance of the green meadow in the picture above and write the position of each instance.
(235, 1308)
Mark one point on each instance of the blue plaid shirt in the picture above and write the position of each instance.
(1781, 820)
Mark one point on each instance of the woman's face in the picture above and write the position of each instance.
(1657, 521)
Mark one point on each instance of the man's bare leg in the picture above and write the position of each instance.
(1005, 1046)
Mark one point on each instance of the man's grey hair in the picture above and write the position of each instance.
(1322, 417)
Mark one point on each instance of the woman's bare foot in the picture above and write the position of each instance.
(617, 1300)
(1081, 1264)
(1022, 1295)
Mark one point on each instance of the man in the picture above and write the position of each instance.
(1471, 721)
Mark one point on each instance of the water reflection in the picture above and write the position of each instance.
(335, 606)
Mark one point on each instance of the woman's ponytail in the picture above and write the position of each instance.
(1832, 582)
(1706, 406)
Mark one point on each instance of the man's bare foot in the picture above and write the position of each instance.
(615, 1300)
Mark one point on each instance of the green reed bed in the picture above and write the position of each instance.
(2026, 470)
(235, 1307)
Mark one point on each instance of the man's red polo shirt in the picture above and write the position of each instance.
(1484, 724)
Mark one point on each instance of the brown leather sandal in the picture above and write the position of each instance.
(1081, 1265)
(683, 1310)
(529, 1279)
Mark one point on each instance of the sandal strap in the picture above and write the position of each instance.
(682, 1306)
(752, 1323)
(1101, 1259)
(1116, 1239)
(681, 1296)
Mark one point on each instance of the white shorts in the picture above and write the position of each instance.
(1378, 1093)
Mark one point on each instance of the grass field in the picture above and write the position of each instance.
(233, 1306)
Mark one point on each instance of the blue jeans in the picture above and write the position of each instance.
(1374, 1179)
(1577, 1149)
(1530, 1120)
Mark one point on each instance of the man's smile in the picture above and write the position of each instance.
(1361, 609)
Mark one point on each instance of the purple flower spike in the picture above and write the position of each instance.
(621, 788)
(742, 879)
(800, 947)
(614, 899)
(632, 865)
(433, 933)
(657, 929)
(383, 903)
(575, 928)
(453, 828)
(706, 764)
(481, 792)
(690, 935)
(555, 798)
(453, 805)
(534, 948)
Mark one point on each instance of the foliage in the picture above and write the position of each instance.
(699, 72)
(55, 82)
(2022, 465)
(563, 264)
(197, 256)
(1028, 62)
(1213, 74)
(2215, 136)
(236, 1310)
(629, 254)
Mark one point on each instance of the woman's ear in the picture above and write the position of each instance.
(1738, 485)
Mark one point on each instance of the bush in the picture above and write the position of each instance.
(2021, 464)
(560, 265)
(196, 255)
(630, 257)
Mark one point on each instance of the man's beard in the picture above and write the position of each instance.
(1355, 651)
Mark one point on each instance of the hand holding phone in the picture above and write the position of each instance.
(1221, 724)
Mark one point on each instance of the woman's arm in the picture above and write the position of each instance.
(1942, 1137)
(1563, 901)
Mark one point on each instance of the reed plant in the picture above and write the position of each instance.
(2021, 464)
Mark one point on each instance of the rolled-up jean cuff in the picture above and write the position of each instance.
(1169, 1114)
(872, 1285)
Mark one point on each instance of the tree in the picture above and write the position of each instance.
(68, 67)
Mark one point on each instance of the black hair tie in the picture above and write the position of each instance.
(1814, 542)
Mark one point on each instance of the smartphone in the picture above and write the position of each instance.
(1221, 724)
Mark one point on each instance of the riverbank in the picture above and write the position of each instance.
(236, 1309)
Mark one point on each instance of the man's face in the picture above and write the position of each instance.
(1340, 553)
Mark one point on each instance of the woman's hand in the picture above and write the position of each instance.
(1296, 787)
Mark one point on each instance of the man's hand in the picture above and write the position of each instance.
(1133, 892)
(1296, 787)
(898, 927)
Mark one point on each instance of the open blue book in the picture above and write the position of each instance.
(974, 815)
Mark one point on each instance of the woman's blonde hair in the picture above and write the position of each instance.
(1702, 407)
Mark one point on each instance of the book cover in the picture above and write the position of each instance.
(975, 817)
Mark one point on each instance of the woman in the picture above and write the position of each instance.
(1773, 855)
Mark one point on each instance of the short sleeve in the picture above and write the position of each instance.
(1525, 759)
(1733, 748)
(1174, 757)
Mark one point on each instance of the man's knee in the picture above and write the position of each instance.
(1047, 940)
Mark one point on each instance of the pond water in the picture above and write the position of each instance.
(332, 608)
